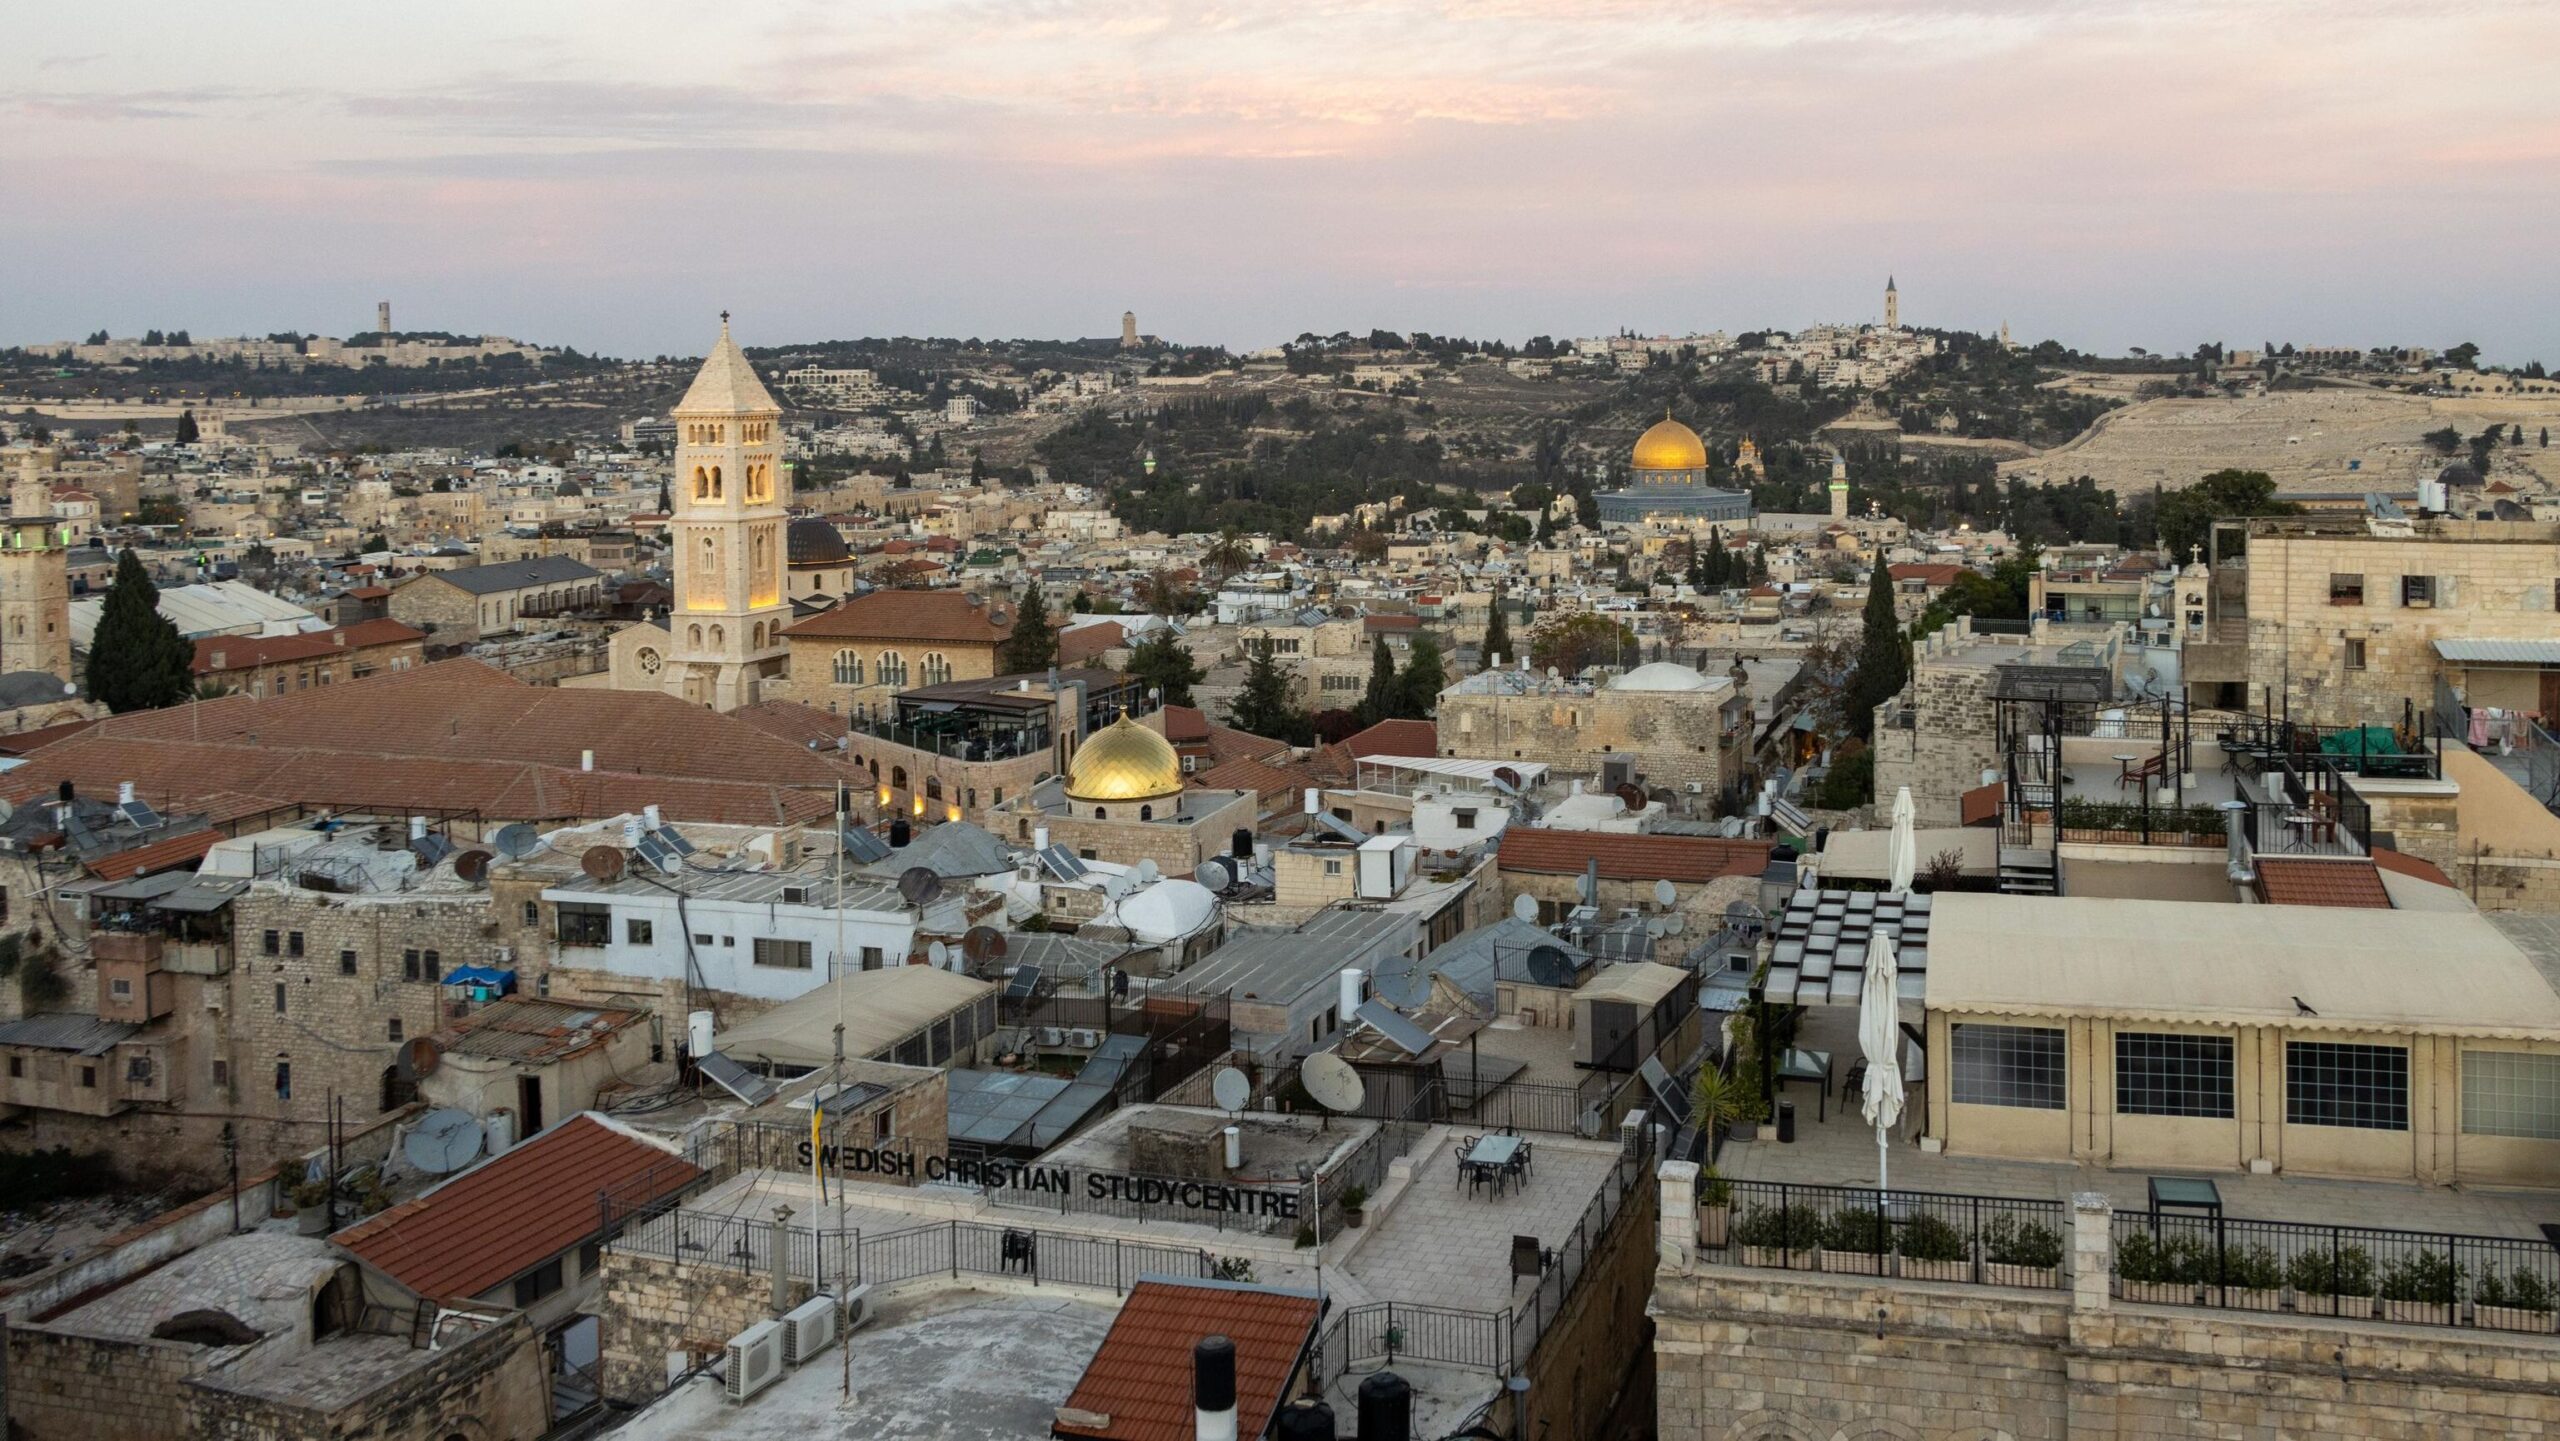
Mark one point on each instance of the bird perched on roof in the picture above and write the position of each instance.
(2303, 1006)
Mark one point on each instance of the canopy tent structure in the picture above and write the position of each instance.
(881, 1010)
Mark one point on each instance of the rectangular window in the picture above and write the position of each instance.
(539, 1283)
(279, 998)
(2504, 1093)
(391, 1029)
(2418, 590)
(1465, 818)
(293, 943)
(409, 964)
(346, 963)
(272, 942)
(882, 1128)
(584, 924)
(1333, 868)
(18, 1068)
(284, 1080)
(2355, 654)
(432, 968)
(2164, 1075)
(2346, 590)
(222, 1075)
(120, 988)
(533, 913)
(872, 958)
(2007, 1066)
(639, 932)
(2327, 1084)
(788, 955)
(88, 1078)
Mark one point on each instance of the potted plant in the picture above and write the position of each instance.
(311, 1207)
(2421, 1286)
(1933, 1250)
(1715, 1209)
(2252, 1279)
(2017, 1252)
(2331, 1281)
(1355, 1204)
(1782, 1237)
(2160, 1270)
(1719, 1101)
(2517, 1301)
(1394, 1342)
(1855, 1240)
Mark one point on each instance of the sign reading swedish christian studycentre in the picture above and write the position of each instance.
(1276, 1202)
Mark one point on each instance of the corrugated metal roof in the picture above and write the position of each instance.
(524, 1028)
(67, 1031)
(2499, 652)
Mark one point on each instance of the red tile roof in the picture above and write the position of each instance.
(908, 615)
(175, 853)
(248, 652)
(1141, 1376)
(1933, 576)
(492, 1224)
(1082, 644)
(1185, 723)
(1391, 624)
(1681, 859)
(1244, 773)
(794, 722)
(2401, 863)
(1395, 738)
(2348, 882)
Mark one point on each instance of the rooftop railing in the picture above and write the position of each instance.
(2499, 1283)
(1915, 1235)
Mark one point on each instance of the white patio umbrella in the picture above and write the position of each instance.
(1902, 846)
(1880, 1039)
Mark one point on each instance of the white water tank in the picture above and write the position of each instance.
(500, 1125)
(697, 1033)
(1350, 997)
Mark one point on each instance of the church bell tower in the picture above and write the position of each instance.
(1892, 305)
(35, 585)
(731, 494)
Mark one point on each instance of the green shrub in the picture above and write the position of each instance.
(2347, 1272)
(1713, 1189)
(2254, 1267)
(1856, 1228)
(2523, 1289)
(2429, 1276)
(2009, 1241)
(2163, 1260)
(1928, 1238)
(1777, 1226)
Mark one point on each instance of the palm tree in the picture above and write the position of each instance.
(1227, 554)
(1719, 1100)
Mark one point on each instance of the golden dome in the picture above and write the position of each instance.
(1123, 761)
(1670, 446)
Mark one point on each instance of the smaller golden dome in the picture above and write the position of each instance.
(1124, 761)
(1669, 445)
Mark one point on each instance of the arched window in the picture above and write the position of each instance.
(719, 636)
(897, 778)
(893, 669)
(937, 667)
(701, 483)
(693, 637)
(973, 797)
(1100, 814)
(1146, 813)
(715, 482)
(848, 667)
(875, 768)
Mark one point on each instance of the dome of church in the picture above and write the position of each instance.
(814, 542)
(1661, 675)
(1124, 761)
(1669, 445)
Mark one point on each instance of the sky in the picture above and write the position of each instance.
(2150, 173)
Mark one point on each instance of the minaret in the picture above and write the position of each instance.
(1892, 305)
(731, 490)
(35, 586)
(1839, 486)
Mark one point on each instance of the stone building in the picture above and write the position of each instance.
(1122, 800)
(279, 665)
(2348, 618)
(1940, 736)
(854, 659)
(35, 586)
(473, 603)
(1662, 727)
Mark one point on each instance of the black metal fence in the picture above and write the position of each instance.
(829, 1259)
(1393, 1330)
(1917, 1235)
(2435, 1278)
(1561, 1267)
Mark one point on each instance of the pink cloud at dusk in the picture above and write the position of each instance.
(2155, 172)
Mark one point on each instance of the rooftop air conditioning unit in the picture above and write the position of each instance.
(1085, 1040)
(795, 895)
(1052, 1036)
(755, 1359)
(1697, 788)
(808, 1329)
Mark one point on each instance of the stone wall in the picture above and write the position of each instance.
(65, 1387)
(653, 1307)
(1953, 739)
(1591, 1348)
(2421, 817)
(1676, 737)
(1758, 1355)
(490, 1387)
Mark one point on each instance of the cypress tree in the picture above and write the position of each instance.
(1380, 701)
(187, 431)
(1423, 678)
(1034, 642)
(1497, 634)
(1883, 665)
(137, 659)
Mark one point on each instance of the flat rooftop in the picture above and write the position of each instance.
(950, 1365)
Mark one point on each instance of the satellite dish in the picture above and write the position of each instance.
(1631, 796)
(1525, 908)
(1675, 924)
(1232, 1088)
(983, 943)
(473, 865)
(1148, 873)
(444, 1142)
(419, 1059)
(1664, 894)
(1549, 966)
(1653, 927)
(603, 863)
(939, 955)
(6, 810)
(919, 884)
(1332, 1082)
(515, 841)
(1731, 829)
(1214, 874)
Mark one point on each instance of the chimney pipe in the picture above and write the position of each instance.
(2236, 845)
(782, 1262)
(1213, 1388)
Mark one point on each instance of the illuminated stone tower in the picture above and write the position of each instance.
(1839, 486)
(1128, 330)
(35, 588)
(731, 492)
(1892, 305)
